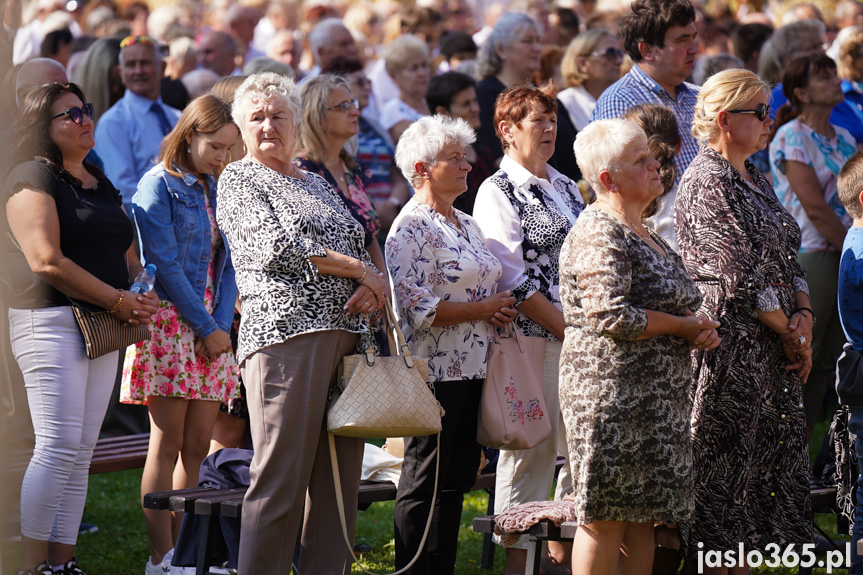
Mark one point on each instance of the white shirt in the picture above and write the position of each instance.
(396, 111)
(383, 87)
(579, 103)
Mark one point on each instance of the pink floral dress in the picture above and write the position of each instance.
(167, 365)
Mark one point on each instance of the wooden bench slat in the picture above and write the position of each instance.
(160, 500)
(209, 505)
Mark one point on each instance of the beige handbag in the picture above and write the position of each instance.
(512, 412)
(384, 396)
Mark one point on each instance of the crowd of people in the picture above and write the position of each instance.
(659, 194)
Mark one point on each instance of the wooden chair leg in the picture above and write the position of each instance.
(488, 545)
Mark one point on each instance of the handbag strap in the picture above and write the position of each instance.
(403, 349)
(341, 505)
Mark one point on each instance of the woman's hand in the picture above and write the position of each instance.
(799, 325)
(364, 300)
(138, 308)
(800, 360)
(498, 309)
(699, 331)
(213, 345)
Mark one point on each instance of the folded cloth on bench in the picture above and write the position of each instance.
(518, 519)
(224, 469)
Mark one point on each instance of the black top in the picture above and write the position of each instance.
(563, 159)
(94, 233)
(174, 93)
(487, 91)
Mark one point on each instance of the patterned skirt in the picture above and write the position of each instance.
(167, 365)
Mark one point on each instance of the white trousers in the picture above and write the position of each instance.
(68, 396)
(527, 474)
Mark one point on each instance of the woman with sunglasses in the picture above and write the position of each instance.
(185, 372)
(805, 158)
(330, 118)
(739, 245)
(52, 199)
(590, 64)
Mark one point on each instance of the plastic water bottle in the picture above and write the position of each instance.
(145, 280)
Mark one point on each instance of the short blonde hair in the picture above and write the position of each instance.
(849, 52)
(600, 145)
(403, 49)
(726, 90)
(581, 46)
(261, 87)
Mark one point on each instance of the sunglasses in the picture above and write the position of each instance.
(132, 40)
(345, 106)
(76, 114)
(761, 112)
(610, 53)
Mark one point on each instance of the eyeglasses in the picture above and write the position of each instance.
(132, 40)
(345, 106)
(761, 112)
(610, 53)
(361, 81)
(76, 114)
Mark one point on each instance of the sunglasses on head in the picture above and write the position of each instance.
(610, 53)
(132, 40)
(76, 114)
(761, 112)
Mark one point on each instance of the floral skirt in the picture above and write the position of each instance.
(167, 365)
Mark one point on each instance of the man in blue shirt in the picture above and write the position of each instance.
(660, 37)
(128, 135)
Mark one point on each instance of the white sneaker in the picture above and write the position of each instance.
(163, 568)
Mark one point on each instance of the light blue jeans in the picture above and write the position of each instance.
(68, 396)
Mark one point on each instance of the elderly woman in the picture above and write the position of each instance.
(330, 119)
(52, 198)
(445, 285)
(305, 280)
(627, 303)
(740, 246)
(590, 64)
(805, 157)
(525, 211)
(453, 94)
(407, 63)
(509, 57)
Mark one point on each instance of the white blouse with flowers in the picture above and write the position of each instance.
(429, 260)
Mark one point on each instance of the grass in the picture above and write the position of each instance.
(120, 547)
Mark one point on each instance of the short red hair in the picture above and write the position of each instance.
(514, 105)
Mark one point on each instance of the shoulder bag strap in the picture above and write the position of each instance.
(341, 504)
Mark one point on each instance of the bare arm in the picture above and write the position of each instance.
(805, 184)
(33, 220)
(496, 309)
(699, 331)
(371, 294)
(539, 309)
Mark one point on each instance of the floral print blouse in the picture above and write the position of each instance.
(359, 203)
(274, 225)
(429, 260)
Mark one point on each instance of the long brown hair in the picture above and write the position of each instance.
(313, 130)
(204, 115)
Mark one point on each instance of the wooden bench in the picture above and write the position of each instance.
(823, 500)
(213, 503)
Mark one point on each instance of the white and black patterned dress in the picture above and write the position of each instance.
(748, 427)
(625, 402)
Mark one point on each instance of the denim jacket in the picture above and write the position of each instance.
(174, 233)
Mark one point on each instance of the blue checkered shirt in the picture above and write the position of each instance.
(635, 88)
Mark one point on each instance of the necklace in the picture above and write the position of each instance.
(632, 226)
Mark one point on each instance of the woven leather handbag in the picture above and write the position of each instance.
(512, 412)
(104, 333)
(384, 396)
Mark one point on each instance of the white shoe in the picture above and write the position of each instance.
(175, 570)
(163, 568)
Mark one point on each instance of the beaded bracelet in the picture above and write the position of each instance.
(119, 305)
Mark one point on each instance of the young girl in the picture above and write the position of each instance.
(187, 369)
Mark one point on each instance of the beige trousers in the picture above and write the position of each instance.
(286, 390)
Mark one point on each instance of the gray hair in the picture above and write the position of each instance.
(320, 35)
(265, 64)
(600, 145)
(506, 30)
(709, 65)
(199, 82)
(162, 18)
(424, 140)
(402, 49)
(786, 39)
(260, 88)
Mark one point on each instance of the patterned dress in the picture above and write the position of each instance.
(167, 364)
(748, 429)
(625, 402)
